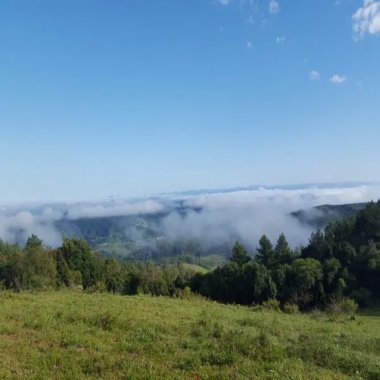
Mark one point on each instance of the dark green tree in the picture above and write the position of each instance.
(239, 255)
(115, 276)
(282, 251)
(265, 253)
(40, 266)
(79, 257)
(307, 275)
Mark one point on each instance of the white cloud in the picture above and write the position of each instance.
(314, 75)
(249, 44)
(367, 19)
(213, 217)
(114, 208)
(19, 222)
(274, 6)
(246, 215)
(253, 10)
(338, 79)
(280, 39)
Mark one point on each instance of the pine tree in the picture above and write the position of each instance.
(239, 255)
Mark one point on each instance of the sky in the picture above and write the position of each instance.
(133, 98)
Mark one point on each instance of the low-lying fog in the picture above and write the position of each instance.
(209, 216)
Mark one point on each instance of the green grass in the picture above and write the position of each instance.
(212, 261)
(73, 335)
(194, 268)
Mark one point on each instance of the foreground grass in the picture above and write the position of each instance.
(72, 335)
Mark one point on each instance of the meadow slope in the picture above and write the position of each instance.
(74, 335)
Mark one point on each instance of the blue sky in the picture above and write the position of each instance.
(134, 97)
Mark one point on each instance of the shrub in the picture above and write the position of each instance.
(290, 308)
(185, 293)
(349, 306)
(272, 304)
(98, 287)
(342, 306)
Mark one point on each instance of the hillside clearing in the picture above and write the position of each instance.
(69, 334)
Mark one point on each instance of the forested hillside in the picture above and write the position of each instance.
(341, 261)
(321, 216)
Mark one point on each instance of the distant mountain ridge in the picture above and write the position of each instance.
(304, 186)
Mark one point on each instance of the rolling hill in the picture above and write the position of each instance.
(74, 335)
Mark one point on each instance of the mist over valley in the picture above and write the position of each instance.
(195, 222)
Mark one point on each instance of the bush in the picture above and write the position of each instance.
(98, 287)
(272, 304)
(185, 293)
(290, 308)
(349, 306)
(342, 306)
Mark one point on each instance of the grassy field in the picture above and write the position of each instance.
(194, 268)
(73, 335)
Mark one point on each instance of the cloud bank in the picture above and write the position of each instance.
(212, 217)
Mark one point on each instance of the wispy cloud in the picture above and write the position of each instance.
(366, 19)
(249, 44)
(253, 10)
(338, 79)
(314, 75)
(274, 6)
(280, 39)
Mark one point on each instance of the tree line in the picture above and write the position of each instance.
(74, 265)
(341, 261)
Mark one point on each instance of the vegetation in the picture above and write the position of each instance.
(74, 264)
(142, 237)
(74, 335)
(321, 216)
(343, 261)
(82, 332)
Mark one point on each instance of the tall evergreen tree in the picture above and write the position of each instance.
(265, 253)
(282, 251)
(239, 255)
